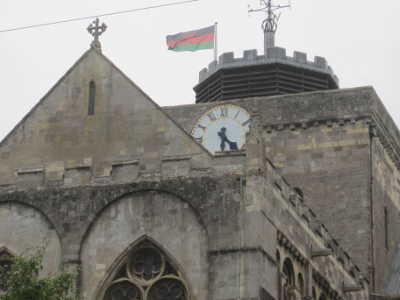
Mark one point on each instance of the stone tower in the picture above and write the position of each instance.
(273, 73)
(269, 74)
(298, 199)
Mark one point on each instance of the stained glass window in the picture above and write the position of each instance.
(147, 274)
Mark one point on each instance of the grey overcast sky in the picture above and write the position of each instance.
(359, 39)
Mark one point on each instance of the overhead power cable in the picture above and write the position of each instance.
(121, 12)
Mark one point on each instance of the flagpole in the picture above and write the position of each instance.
(216, 42)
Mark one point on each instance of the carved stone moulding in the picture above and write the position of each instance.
(147, 274)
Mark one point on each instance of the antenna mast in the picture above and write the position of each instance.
(270, 24)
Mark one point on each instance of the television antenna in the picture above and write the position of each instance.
(270, 24)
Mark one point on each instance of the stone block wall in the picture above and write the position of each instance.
(163, 218)
(25, 230)
(223, 240)
(59, 136)
(321, 143)
(300, 233)
(329, 162)
(196, 221)
(99, 183)
(386, 212)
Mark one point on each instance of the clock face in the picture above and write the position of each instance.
(222, 128)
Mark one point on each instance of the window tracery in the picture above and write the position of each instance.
(147, 274)
(6, 261)
(288, 280)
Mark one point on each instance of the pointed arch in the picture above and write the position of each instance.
(34, 229)
(145, 271)
(4, 251)
(139, 193)
(35, 208)
(289, 282)
(288, 271)
(163, 216)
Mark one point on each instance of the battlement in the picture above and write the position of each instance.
(274, 55)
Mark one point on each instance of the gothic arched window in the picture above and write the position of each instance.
(289, 280)
(300, 284)
(6, 260)
(147, 274)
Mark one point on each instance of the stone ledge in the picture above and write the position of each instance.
(230, 153)
(376, 129)
(125, 163)
(30, 171)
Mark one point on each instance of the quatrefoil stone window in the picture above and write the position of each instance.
(146, 264)
(123, 290)
(147, 274)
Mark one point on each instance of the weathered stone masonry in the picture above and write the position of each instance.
(236, 225)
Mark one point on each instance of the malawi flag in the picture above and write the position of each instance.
(192, 40)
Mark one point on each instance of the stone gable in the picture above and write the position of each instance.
(126, 128)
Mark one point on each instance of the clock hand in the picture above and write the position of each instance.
(224, 139)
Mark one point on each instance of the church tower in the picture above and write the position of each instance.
(268, 74)
(275, 185)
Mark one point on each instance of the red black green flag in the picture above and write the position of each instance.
(192, 40)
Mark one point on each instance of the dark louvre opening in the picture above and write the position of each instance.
(261, 80)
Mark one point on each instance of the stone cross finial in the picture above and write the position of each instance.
(96, 30)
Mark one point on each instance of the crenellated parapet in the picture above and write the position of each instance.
(274, 55)
(252, 75)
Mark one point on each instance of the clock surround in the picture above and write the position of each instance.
(222, 128)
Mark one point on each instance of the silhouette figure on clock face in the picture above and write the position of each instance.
(224, 140)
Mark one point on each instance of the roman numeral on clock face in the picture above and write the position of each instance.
(246, 123)
(224, 111)
(222, 128)
(237, 114)
(212, 116)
